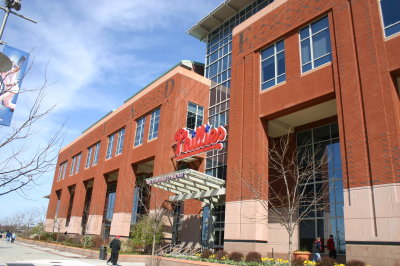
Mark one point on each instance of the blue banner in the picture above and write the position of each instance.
(10, 83)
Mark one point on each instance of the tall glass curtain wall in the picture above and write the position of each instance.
(218, 69)
(323, 142)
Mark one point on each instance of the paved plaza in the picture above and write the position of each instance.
(23, 254)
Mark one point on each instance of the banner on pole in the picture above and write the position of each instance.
(10, 83)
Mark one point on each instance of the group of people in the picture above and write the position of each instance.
(10, 236)
(317, 248)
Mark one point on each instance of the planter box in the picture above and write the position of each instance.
(301, 255)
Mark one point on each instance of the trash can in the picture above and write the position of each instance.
(103, 253)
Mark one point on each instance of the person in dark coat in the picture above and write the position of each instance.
(330, 244)
(115, 246)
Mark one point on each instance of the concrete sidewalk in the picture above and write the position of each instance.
(19, 253)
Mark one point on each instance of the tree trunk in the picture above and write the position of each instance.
(290, 248)
(152, 249)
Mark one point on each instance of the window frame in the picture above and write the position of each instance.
(62, 170)
(141, 126)
(89, 157)
(154, 124)
(311, 43)
(110, 146)
(72, 170)
(384, 27)
(275, 56)
(96, 153)
(78, 163)
(196, 115)
(120, 141)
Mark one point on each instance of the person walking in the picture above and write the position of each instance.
(115, 246)
(330, 244)
(317, 250)
(13, 237)
(8, 236)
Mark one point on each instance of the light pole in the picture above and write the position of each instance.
(9, 5)
(5, 62)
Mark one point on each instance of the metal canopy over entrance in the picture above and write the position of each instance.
(190, 184)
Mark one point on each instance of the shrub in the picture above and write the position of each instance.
(87, 241)
(221, 255)
(236, 256)
(48, 236)
(298, 262)
(127, 246)
(355, 263)
(60, 237)
(253, 257)
(72, 241)
(143, 231)
(205, 254)
(98, 241)
(327, 262)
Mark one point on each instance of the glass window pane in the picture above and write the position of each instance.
(392, 30)
(280, 46)
(390, 11)
(321, 133)
(281, 63)
(321, 44)
(305, 51)
(304, 138)
(306, 67)
(268, 69)
(319, 25)
(281, 78)
(304, 33)
(267, 52)
(323, 60)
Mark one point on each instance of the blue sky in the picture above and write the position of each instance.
(98, 54)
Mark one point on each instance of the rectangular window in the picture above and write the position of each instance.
(154, 122)
(110, 146)
(195, 116)
(62, 169)
(120, 141)
(78, 163)
(273, 65)
(76, 160)
(390, 16)
(89, 157)
(96, 153)
(71, 170)
(139, 131)
(315, 44)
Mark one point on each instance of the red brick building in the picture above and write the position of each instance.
(328, 72)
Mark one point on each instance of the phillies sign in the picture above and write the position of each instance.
(203, 139)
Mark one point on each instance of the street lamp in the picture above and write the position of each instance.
(8, 5)
(5, 62)
(14, 4)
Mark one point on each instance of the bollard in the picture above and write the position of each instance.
(103, 253)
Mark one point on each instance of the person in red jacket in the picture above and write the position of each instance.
(330, 244)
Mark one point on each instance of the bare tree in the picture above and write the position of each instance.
(23, 162)
(289, 199)
(154, 210)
